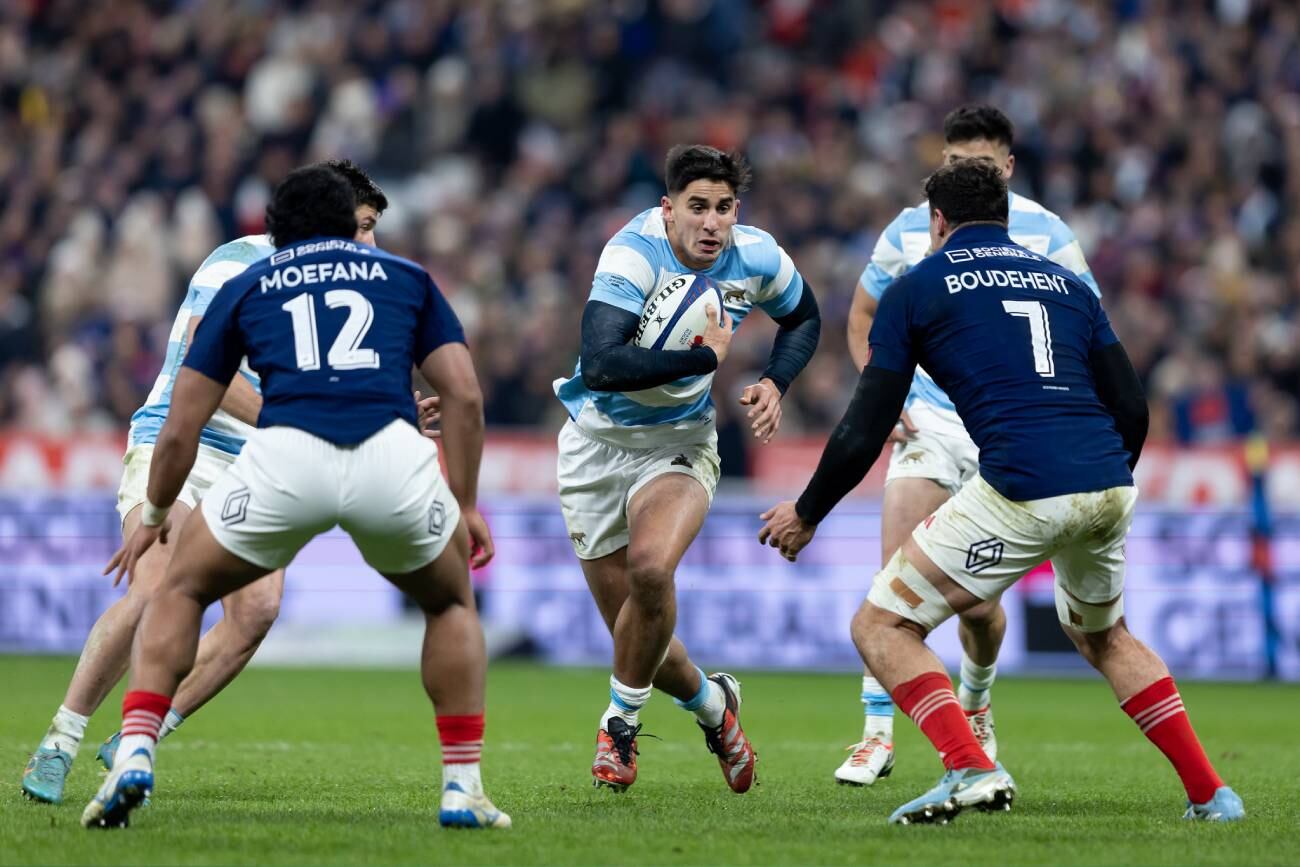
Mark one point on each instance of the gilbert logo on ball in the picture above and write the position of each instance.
(674, 316)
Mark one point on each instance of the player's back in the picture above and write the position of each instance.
(333, 327)
(223, 431)
(1008, 334)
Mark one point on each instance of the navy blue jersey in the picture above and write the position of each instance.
(333, 328)
(1007, 334)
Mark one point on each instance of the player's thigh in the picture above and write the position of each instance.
(908, 501)
(396, 506)
(1090, 570)
(151, 569)
(279, 493)
(593, 479)
(667, 506)
(202, 567)
(442, 582)
(975, 546)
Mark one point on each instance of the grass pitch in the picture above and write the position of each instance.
(313, 767)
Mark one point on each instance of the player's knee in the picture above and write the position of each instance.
(900, 589)
(866, 620)
(871, 622)
(439, 598)
(1096, 647)
(986, 615)
(650, 583)
(256, 616)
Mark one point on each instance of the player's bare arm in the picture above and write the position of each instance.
(611, 363)
(450, 370)
(195, 398)
(241, 400)
(796, 340)
(853, 447)
(862, 313)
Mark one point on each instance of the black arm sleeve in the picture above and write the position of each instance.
(609, 363)
(796, 341)
(856, 441)
(1120, 390)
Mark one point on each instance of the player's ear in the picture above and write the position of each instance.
(667, 205)
(1009, 168)
(938, 229)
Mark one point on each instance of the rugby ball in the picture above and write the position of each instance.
(674, 316)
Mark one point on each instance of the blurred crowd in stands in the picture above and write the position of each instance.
(515, 137)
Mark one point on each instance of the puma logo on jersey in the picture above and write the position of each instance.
(733, 296)
(681, 461)
(579, 540)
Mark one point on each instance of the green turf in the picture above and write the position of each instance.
(310, 767)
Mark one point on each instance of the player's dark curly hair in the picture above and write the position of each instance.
(363, 186)
(972, 122)
(968, 191)
(686, 163)
(313, 201)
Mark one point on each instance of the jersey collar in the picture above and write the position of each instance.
(980, 233)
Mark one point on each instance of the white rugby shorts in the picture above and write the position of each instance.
(940, 450)
(986, 543)
(288, 486)
(597, 479)
(209, 464)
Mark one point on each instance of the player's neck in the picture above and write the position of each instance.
(973, 224)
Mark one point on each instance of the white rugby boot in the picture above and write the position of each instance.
(869, 760)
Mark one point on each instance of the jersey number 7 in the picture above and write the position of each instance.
(1040, 333)
(346, 352)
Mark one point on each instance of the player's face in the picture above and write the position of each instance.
(367, 219)
(981, 149)
(699, 221)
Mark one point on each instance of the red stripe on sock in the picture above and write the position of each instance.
(933, 706)
(1159, 713)
(461, 738)
(143, 713)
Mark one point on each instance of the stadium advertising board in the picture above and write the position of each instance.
(1191, 592)
(521, 465)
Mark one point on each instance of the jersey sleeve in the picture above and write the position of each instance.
(624, 275)
(1063, 249)
(207, 282)
(780, 283)
(218, 347)
(225, 263)
(888, 260)
(438, 324)
(890, 340)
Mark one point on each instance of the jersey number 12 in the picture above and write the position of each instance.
(1040, 333)
(346, 352)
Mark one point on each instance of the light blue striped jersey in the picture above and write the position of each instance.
(752, 271)
(906, 241)
(223, 431)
